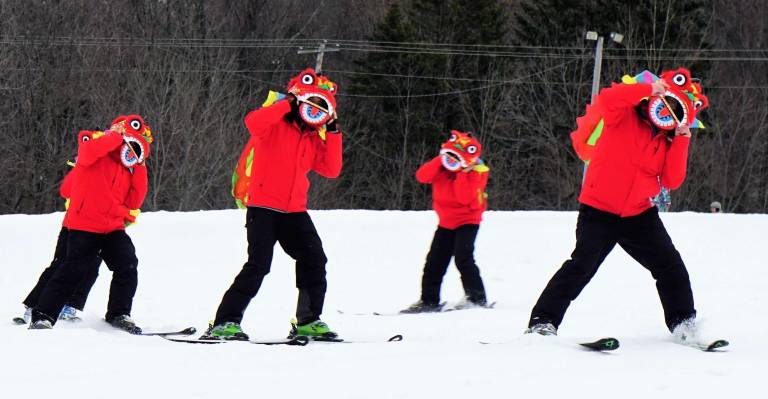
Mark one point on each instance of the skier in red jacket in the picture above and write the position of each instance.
(289, 139)
(105, 194)
(80, 295)
(644, 145)
(458, 177)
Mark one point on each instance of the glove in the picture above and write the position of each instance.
(332, 126)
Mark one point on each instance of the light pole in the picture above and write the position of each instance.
(592, 35)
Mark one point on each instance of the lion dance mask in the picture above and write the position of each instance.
(137, 136)
(460, 151)
(316, 96)
(679, 105)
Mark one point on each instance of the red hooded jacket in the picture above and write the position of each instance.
(283, 154)
(101, 189)
(457, 197)
(629, 163)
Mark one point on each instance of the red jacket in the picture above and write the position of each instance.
(101, 189)
(628, 162)
(457, 197)
(283, 154)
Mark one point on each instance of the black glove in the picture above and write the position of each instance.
(332, 126)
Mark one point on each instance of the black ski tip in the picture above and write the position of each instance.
(188, 331)
(19, 321)
(395, 338)
(603, 344)
(720, 343)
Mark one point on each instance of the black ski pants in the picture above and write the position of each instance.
(644, 238)
(119, 254)
(83, 288)
(458, 243)
(298, 237)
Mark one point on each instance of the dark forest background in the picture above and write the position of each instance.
(515, 72)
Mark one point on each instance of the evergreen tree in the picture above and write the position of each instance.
(409, 115)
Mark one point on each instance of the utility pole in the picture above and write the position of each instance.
(321, 50)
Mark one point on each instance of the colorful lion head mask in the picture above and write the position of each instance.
(460, 151)
(316, 96)
(679, 105)
(138, 137)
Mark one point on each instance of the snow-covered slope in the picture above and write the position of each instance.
(187, 260)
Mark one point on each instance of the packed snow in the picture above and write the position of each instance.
(187, 261)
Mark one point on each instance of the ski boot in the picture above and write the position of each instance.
(686, 331)
(316, 331)
(125, 323)
(69, 313)
(423, 307)
(545, 329)
(230, 331)
(42, 324)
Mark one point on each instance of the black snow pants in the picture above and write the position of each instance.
(298, 237)
(83, 288)
(458, 243)
(119, 254)
(644, 238)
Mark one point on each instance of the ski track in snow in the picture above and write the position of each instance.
(187, 261)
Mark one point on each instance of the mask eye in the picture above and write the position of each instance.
(679, 79)
(698, 104)
(307, 79)
(453, 138)
(86, 138)
(471, 149)
(135, 124)
(333, 90)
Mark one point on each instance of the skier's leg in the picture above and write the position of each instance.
(299, 239)
(646, 240)
(81, 247)
(78, 298)
(463, 255)
(438, 259)
(58, 256)
(595, 238)
(120, 257)
(260, 227)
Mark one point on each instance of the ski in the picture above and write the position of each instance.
(440, 309)
(186, 331)
(394, 338)
(469, 307)
(602, 345)
(706, 346)
(297, 341)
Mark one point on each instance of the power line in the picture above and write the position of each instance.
(351, 45)
(453, 92)
(248, 74)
